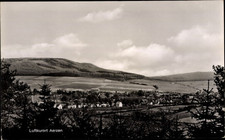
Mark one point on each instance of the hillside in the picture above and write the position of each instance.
(194, 76)
(64, 67)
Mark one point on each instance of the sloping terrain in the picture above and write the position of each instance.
(64, 67)
(66, 74)
(194, 76)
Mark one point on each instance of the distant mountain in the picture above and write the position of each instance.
(193, 76)
(64, 67)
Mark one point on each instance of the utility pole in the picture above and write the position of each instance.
(100, 126)
(208, 85)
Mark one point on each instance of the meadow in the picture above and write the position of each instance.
(84, 83)
(81, 83)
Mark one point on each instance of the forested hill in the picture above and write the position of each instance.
(64, 67)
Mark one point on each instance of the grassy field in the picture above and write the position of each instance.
(181, 87)
(83, 83)
(199, 85)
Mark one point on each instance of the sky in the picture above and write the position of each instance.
(152, 38)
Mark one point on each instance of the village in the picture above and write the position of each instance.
(107, 99)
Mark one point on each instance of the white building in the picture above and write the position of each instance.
(60, 106)
(72, 106)
(119, 104)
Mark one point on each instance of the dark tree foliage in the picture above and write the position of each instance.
(79, 124)
(219, 79)
(23, 103)
(17, 112)
(92, 98)
(7, 76)
(7, 95)
(140, 93)
(64, 98)
(209, 113)
(156, 87)
(47, 115)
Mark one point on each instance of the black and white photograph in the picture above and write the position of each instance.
(96, 70)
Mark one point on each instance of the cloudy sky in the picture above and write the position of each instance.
(150, 38)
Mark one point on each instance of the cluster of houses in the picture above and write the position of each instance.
(162, 98)
(83, 105)
(159, 98)
(63, 105)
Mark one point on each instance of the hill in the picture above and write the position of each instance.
(193, 76)
(64, 67)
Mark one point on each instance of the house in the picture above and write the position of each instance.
(92, 105)
(55, 105)
(119, 104)
(103, 105)
(59, 106)
(151, 103)
(72, 106)
(98, 105)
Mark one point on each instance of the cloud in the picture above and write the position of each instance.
(193, 49)
(151, 53)
(70, 40)
(67, 46)
(196, 39)
(113, 64)
(138, 59)
(148, 57)
(100, 16)
(125, 43)
(199, 46)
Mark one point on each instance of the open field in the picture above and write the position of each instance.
(181, 87)
(199, 85)
(84, 83)
(81, 83)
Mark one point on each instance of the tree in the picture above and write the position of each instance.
(47, 116)
(92, 98)
(107, 94)
(79, 123)
(140, 93)
(23, 102)
(219, 79)
(209, 112)
(64, 98)
(7, 95)
(156, 87)
(17, 111)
